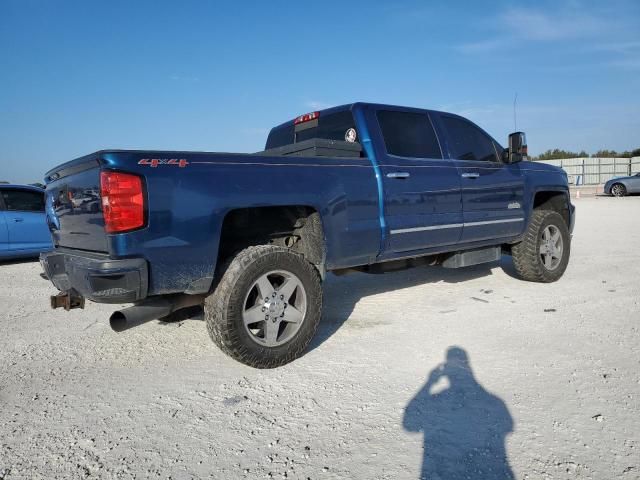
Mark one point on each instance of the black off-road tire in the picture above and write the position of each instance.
(223, 308)
(526, 257)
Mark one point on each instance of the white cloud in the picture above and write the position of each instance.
(627, 63)
(518, 26)
(536, 25)
(619, 47)
(627, 54)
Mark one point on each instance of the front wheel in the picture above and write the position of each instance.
(618, 190)
(266, 308)
(543, 253)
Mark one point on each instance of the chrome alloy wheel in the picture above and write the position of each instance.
(551, 247)
(274, 308)
(618, 190)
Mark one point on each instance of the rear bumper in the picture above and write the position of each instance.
(97, 277)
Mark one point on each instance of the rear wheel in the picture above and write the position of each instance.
(543, 253)
(618, 190)
(266, 308)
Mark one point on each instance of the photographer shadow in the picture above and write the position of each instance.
(464, 426)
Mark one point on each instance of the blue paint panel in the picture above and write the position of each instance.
(429, 196)
(495, 195)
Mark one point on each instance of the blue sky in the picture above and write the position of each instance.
(79, 76)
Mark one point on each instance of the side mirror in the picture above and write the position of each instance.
(517, 147)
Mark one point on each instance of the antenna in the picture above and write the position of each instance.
(515, 124)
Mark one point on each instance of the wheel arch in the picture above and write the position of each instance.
(555, 200)
(297, 227)
(618, 182)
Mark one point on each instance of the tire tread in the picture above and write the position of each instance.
(525, 253)
(219, 308)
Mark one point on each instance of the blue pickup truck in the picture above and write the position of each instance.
(250, 237)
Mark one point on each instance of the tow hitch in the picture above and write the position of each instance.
(67, 300)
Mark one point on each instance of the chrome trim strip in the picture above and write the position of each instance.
(424, 192)
(398, 175)
(455, 225)
(423, 229)
(491, 222)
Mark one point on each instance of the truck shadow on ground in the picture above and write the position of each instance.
(342, 293)
(464, 426)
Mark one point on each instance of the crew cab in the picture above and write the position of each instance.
(250, 237)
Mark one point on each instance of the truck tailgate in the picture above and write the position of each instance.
(74, 211)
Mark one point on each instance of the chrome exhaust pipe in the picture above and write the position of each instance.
(151, 309)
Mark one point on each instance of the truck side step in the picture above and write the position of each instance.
(473, 257)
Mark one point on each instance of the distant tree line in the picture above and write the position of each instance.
(557, 153)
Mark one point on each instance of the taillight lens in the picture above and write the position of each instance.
(122, 201)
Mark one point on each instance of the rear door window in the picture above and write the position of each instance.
(409, 134)
(23, 200)
(468, 142)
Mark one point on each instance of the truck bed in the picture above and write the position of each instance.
(189, 194)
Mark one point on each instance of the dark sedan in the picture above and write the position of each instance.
(619, 187)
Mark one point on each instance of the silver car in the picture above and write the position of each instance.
(619, 187)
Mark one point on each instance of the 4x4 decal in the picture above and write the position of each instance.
(154, 162)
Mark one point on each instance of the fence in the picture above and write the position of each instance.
(594, 171)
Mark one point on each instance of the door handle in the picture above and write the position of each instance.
(470, 175)
(18, 220)
(398, 175)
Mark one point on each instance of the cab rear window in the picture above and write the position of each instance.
(333, 126)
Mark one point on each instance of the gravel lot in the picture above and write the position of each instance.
(553, 389)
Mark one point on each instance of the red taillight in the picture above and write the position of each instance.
(122, 201)
(307, 117)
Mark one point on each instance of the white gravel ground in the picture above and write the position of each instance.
(554, 388)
